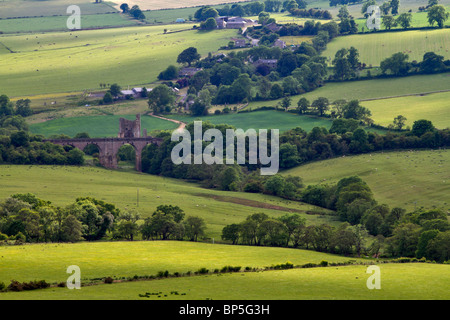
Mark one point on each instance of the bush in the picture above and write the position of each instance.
(230, 269)
(202, 271)
(15, 286)
(323, 263)
(108, 280)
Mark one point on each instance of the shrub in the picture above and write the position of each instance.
(15, 286)
(202, 271)
(309, 265)
(108, 280)
(2, 287)
(323, 263)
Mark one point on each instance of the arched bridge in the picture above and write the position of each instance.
(109, 148)
(129, 133)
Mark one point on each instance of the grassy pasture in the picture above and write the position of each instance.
(407, 179)
(75, 61)
(433, 107)
(125, 259)
(37, 8)
(375, 47)
(268, 119)
(398, 282)
(172, 4)
(96, 126)
(62, 185)
(59, 23)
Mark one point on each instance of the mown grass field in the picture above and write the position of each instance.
(75, 61)
(407, 179)
(62, 185)
(375, 47)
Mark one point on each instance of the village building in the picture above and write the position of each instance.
(188, 71)
(239, 43)
(225, 22)
(271, 63)
(280, 44)
(273, 27)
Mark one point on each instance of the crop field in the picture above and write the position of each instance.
(373, 48)
(408, 179)
(76, 61)
(62, 185)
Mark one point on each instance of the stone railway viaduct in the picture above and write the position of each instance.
(129, 133)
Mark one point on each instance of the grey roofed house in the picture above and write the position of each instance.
(255, 42)
(127, 92)
(188, 71)
(273, 27)
(239, 42)
(272, 63)
(280, 44)
(233, 22)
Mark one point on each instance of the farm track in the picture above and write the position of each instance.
(405, 95)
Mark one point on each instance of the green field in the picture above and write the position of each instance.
(375, 47)
(408, 179)
(76, 61)
(59, 23)
(412, 102)
(96, 126)
(398, 281)
(126, 259)
(433, 107)
(37, 8)
(268, 119)
(62, 185)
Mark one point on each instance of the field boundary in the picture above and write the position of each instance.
(256, 204)
(406, 95)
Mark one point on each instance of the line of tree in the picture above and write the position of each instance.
(19, 146)
(395, 233)
(26, 218)
(345, 137)
(398, 64)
